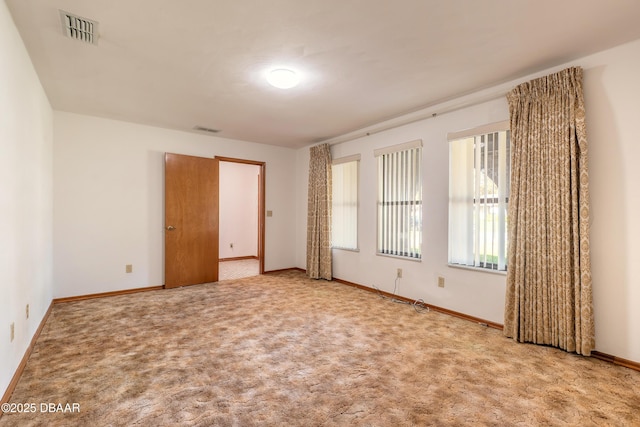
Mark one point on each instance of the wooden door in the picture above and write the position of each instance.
(191, 220)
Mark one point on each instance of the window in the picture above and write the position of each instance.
(344, 172)
(400, 200)
(479, 168)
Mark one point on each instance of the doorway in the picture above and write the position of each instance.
(241, 243)
(192, 218)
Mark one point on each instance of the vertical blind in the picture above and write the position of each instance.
(478, 197)
(400, 200)
(344, 232)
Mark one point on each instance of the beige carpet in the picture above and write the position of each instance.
(284, 350)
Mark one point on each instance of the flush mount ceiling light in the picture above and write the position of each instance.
(283, 78)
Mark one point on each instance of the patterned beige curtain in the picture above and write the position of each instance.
(319, 214)
(549, 296)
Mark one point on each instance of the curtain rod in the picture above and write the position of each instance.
(465, 101)
(423, 114)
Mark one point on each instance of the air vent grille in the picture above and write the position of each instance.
(204, 129)
(78, 28)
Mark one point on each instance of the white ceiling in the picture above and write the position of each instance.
(179, 64)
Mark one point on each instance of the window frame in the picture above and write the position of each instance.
(341, 161)
(389, 242)
(480, 203)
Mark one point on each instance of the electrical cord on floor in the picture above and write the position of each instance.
(418, 305)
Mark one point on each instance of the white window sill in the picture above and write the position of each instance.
(406, 258)
(347, 249)
(479, 269)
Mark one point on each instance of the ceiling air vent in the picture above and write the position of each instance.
(78, 28)
(204, 129)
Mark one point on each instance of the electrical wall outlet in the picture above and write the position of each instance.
(13, 331)
(399, 273)
(231, 245)
(440, 282)
(128, 268)
(27, 311)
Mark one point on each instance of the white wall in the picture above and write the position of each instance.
(108, 200)
(25, 199)
(612, 90)
(238, 209)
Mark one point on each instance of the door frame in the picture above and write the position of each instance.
(261, 203)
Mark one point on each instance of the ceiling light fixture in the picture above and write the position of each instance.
(283, 78)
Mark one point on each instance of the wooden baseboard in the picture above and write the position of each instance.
(616, 360)
(107, 294)
(282, 270)
(238, 258)
(478, 320)
(25, 358)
